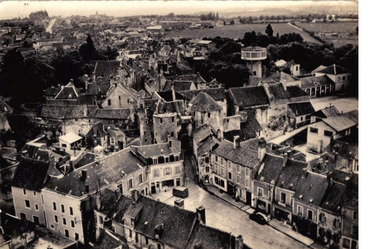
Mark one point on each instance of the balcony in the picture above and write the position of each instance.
(254, 53)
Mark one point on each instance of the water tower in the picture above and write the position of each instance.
(254, 57)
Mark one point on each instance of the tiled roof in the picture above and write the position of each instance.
(209, 238)
(170, 107)
(249, 96)
(108, 240)
(277, 91)
(241, 155)
(204, 103)
(106, 68)
(201, 133)
(327, 112)
(68, 92)
(270, 168)
(218, 94)
(334, 196)
(291, 174)
(311, 188)
(155, 150)
(333, 69)
(14, 226)
(340, 122)
(30, 174)
(112, 114)
(295, 91)
(303, 108)
(182, 85)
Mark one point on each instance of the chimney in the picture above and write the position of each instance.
(98, 202)
(84, 175)
(261, 148)
(236, 142)
(173, 92)
(285, 158)
(201, 214)
(179, 203)
(238, 242)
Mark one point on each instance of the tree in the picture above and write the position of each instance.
(87, 50)
(231, 22)
(269, 30)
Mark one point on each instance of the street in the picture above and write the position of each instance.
(224, 216)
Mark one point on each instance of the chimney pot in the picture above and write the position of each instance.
(236, 142)
(201, 213)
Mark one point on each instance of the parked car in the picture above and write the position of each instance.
(181, 192)
(259, 218)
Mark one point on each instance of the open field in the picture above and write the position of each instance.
(338, 33)
(238, 31)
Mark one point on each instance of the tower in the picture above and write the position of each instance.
(254, 57)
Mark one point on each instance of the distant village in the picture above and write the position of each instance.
(107, 149)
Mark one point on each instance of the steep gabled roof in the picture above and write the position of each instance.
(295, 91)
(333, 69)
(311, 188)
(106, 68)
(333, 199)
(270, 168)
(204, 103)
(291, 174)
(312, 81)
(68, 92)
(249, 96)
(218, 94)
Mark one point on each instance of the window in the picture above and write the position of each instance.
(222, 171)
(101, 220)
(56, 219)
(167, 171)
(71, 210)
(310, 214)
(161, 121)
(63, 145)
(34, 193)
(322, 218)
(238, 168)
(155, 161)
(146, 240)
(73, 225)
(260, 192)
(299, 210)
(54, 205)
(328, 133)
(36, 207)
(130, 233)
(52, 226)
(247, 172)
(229, 165)
(172, 134)
(216, 159)
(229, 175)
(64, 221)
(247, 183)
(221, 161)
(209, 115)
(156, 173)
(24, 191)
(207, 159)
(140, 179)
(238, 179)
(346, 243)
(130, 185)
(336, 223)
(27, 203)
(62, 208)
(355, 230)
(76, 236)
(313, 130)
(109, 102)
(283, 197)
(66, 233)
(172, 119)
(207, 169)
(178, 170)
(136, 238)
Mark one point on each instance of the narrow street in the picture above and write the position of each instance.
(224, 216)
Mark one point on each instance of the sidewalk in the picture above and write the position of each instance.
(273, 223)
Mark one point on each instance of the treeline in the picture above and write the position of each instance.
(25, 77)
(210, 16)
(285, 18)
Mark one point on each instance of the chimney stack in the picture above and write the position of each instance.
(236, 142)
(201, 213)
(173, 92)
(84, 175)
(238, 244)
(285, 158)
(261, 148)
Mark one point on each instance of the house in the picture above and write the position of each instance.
(296, 94)
(349, 212)
(205, 109)
(318, 86)
(329, 214)
(120, 96)
(308, 197)
(253, 98)
(183, 85)
(299, 114)
(321, 134)
(265, 181)
(15, 232)
(28, 181)
(68, 95)
(70, 143)
(234, 167)
(203, 143)
(346, 155)
(105, 69)
(281, 63)
(198, 80)
(341, 76)
(285, 189)
(165, 164)
(144, 222)
(244, 125)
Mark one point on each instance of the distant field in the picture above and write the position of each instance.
(338, 33)
(336, 27)
(238, 31)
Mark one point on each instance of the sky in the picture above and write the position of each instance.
(12, 9)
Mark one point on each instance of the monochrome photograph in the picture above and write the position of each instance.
(179, 124)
